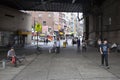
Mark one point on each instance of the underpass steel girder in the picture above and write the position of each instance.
(52, 5)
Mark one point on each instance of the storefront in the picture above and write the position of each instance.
(6, 38)
(21, 37)
(9, 39)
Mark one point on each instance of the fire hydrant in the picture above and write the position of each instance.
(4, 63)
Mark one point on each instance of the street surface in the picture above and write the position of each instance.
(67, 65)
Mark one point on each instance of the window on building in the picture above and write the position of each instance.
(44, 23)
(49, 15)
(49, 29)
(39, 15)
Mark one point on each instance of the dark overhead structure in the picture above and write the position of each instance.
(53, 5)
(101, 17)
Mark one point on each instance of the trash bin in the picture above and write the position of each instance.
(64, 44)
(4, 63)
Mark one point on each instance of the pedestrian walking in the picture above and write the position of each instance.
(58, 45)
(73, 41)
(46, 41)
(104, 50)
(53, 48)
(84, 46)
(99, 42)
(66, 42)
(78, 45)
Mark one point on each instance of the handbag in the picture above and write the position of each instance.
(13, 60)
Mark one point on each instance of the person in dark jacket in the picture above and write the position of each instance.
(104, 50)
(78, 45)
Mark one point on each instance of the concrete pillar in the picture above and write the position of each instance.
(111, 20)
(100, 26)
(91, 27)
(12, 20)
(86, 27)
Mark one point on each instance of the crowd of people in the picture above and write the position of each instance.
(103, 48)
(81, 45)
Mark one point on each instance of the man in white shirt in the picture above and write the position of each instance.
(11, 54)
(58, 45)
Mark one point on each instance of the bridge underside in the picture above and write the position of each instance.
(52, 5)
(101, 17)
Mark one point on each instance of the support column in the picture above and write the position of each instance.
(86, 28)
(100, 27)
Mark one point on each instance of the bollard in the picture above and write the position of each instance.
(3, 63)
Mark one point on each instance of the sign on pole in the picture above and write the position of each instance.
(38, 27)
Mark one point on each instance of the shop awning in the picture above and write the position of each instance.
(42, 35)
(24, 32)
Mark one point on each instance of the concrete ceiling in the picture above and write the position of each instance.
(52, 5)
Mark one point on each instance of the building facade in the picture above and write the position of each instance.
(15, 27)
(57, 23)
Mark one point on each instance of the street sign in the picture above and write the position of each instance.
(38, 27)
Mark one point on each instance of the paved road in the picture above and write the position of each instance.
(10, 71)
(68, 65)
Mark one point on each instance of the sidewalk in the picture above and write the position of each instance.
(10, 71)
(114, 59)
(68, 65)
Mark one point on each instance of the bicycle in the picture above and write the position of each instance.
(39, 50)
(15, 61)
